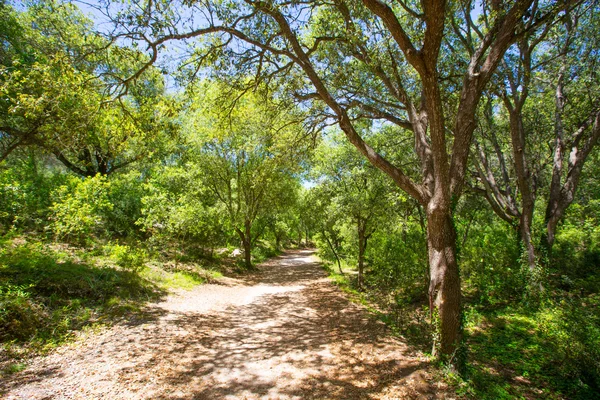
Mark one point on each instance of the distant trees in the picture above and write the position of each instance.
(352, 191)
(244, 157)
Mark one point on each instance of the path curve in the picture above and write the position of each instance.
(283, 333)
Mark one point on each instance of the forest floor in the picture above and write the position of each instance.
(284, 332)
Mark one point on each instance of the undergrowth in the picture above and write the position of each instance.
(550, 351)
(49, 292)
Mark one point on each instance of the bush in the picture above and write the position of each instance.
(79, 208)
(125, 194)
(398, 260)
(131, 259)
(576, 253)
(490, 264)
(573, 326)
(25, 194)
(20, 317)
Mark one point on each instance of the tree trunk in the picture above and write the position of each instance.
(334, 252)
(362, 244)
(525, 224)
(247, 243)
(361, 266)
(444, 284)
(247, 255)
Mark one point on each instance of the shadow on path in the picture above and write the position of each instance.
(297, 337)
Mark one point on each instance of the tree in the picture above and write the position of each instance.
(244, 159)
(369, 60)
(55, 73)
(356, 191)
(542, 125)
(328, 227)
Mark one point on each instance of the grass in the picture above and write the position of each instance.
(550, 352)
(13, 368)
(186, 278)
(514, 352)
(49, 292)
(409, 322)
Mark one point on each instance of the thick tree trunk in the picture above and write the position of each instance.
(444, 284)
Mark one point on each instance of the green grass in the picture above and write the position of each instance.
(514, 352)
(49, 292)
(45, 295)
(547, 353)
(13, 368)
(186, 279)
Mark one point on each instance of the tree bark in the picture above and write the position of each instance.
(361, 255)
(246, 239)
(337, 257)
(444, 284)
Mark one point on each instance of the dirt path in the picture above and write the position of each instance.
(284, 333)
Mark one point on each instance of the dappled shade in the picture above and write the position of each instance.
(291, 335)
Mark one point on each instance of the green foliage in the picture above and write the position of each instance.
(46, 294)
(175, 206)
(125, 193)
(489, 255)
(398, 257)
(263, 251)
(79, 208)
(126, 257)
(25, 193)
(19, 315)
(576, 255)
(516, 352)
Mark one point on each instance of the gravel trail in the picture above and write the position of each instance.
(285, 332)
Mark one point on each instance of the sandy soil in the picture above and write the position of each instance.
(283, 333)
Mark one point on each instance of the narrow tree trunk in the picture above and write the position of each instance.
(361, 266)
(247, 244)
(247, 255)
(337, 258)
(444, 284)
(361, 255)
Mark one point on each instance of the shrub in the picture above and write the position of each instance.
(79, 209)
(25, 194)
(20, 317)
(131, 259)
